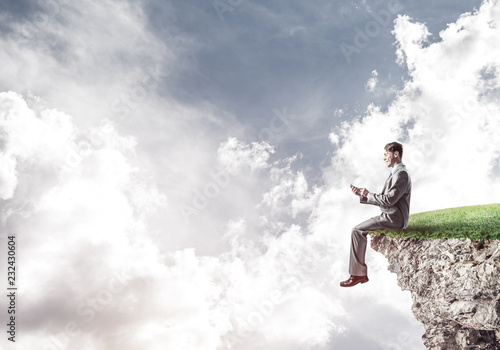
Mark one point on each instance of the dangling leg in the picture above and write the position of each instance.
(357, 266)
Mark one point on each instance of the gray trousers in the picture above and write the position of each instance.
(357, 266)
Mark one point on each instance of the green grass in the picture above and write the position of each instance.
(475, 222)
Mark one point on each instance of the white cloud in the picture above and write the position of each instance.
(93, 254)
(235, 156)
(446, 117)
(26, 138)
(289, 194)
(371, 84)
(441, 116)
(80, 230)
(410, 38)
(85, 58)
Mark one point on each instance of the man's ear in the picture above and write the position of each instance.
(396, 154)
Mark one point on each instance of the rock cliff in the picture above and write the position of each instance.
(455, 287)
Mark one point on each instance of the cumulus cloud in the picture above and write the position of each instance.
(26, 138)
(96, 66)
(98, 274)
(333, 138)
(289, 199)
(371, 84)
(442, 115)
(236, 156)
(79, 228)
(445, 116)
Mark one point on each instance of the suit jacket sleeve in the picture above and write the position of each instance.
(393, 194)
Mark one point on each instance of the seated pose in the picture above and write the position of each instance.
(394, 202)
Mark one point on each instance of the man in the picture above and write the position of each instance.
(394, 202)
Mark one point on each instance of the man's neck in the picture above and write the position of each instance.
(395, 165)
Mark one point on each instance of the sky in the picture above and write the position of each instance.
(176, 174)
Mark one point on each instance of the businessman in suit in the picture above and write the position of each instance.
(394, 202)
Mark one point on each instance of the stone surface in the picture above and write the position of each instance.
(455, 287)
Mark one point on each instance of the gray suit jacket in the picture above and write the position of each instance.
(394, 201)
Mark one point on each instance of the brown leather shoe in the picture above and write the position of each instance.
(353, 280)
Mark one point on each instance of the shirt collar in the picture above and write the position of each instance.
(395, 167)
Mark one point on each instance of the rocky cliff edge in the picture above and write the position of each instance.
(455, 287)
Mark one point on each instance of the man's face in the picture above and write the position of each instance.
(390, 158)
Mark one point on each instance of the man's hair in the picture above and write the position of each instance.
(393, 147)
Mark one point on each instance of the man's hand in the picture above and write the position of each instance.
(359, 191)
(363, 192)
(355, 190)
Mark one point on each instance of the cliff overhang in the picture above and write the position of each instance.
(455, 288)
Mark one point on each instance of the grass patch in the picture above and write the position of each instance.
(476, 222)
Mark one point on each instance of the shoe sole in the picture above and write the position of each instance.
(355, 284)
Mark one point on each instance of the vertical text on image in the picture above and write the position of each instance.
(11, 287)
